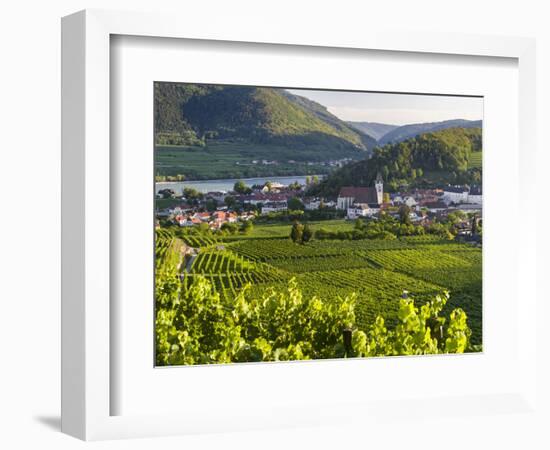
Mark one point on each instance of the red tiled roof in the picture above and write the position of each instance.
(359, 194)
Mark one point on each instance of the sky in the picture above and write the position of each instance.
(395, 109)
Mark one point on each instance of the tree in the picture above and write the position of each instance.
(439, 229)
(229, 228)
(295, 186)
(192, 195)
(241, 188)
(307, 234)
(211, 205)
(474, 225)
(229, 201)
(247, 227)
(456, 216)
(404, 214)
(295, 204)
(167, 193)
(296, 232)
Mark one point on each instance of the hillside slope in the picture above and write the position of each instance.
(322, 113)
(429, 159)
(196, 115)
(408, 131)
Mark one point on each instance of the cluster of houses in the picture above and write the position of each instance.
(356, 202)
(369, 201)
(186, 216)
(268, 198)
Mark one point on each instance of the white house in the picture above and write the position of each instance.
(475, 195)
(460, 194)
(272, 186)
(183, 221)
(397, 199)
(362, 210)
(312, 205)
(274, 207)
(219, 196)
(179, 210)
(455, 194)
(409, 201)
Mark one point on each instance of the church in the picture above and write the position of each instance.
(352, 196)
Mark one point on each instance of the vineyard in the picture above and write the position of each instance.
(167, 250)
(475, 160)
(378, 271)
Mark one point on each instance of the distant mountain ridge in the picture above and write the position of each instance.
(375, 129)
(405, 132)
(196, 114)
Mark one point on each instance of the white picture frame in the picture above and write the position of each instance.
(87, 386)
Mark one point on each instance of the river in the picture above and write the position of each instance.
(227, 184)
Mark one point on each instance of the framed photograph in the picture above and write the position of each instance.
(269, 231)
(298, 224)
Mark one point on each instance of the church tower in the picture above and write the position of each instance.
(379, 186)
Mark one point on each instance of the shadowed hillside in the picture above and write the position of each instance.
(196, 115)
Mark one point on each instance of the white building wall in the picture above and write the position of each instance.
(313, 205)
(268, 209)
(344, 202)
(476, 199)
(354, 213)
(455, 197)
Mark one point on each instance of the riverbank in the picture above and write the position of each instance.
(228, 183)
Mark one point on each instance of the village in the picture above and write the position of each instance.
(216, 210)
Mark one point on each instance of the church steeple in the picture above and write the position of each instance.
(379, 186)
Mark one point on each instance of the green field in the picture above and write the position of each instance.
(278, 230)
(377, 270)
(234, 160)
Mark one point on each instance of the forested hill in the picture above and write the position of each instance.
(408, 131)
(196, 115)
(440, 157)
